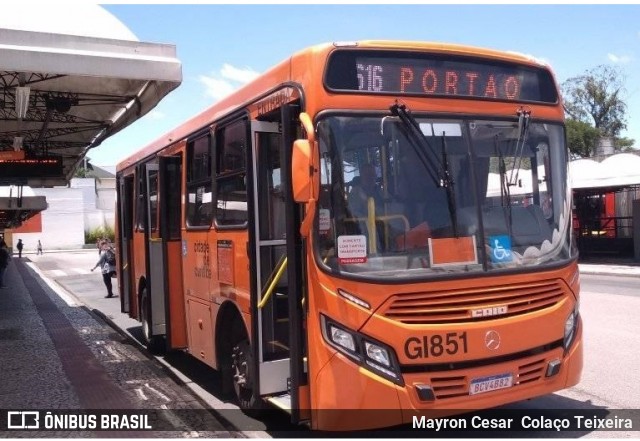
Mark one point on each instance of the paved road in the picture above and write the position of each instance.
(609, 306)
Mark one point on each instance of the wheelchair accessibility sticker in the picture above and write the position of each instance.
(500, 249)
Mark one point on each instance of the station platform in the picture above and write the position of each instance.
(45, 360)
(59, 355)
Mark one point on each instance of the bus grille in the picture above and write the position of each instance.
(456, 306)
(451, 386)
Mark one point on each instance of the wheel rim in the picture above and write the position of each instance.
(242, 372)
(146, 329)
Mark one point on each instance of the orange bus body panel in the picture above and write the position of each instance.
(177, 302)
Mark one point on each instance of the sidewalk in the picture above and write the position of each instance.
(610, 266)
(56, 356)
(45, 361)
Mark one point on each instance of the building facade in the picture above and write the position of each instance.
(85, 205)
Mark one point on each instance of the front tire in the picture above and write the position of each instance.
(244, 376)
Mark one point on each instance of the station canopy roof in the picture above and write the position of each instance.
(61, 95)
(619, 170)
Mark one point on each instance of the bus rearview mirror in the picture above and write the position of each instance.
(301, 169)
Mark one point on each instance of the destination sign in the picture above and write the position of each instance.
(402, 73)
(44, 167)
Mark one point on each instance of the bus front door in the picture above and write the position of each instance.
(152, 305)
(125, 277)
(271, 302)
(171, 234)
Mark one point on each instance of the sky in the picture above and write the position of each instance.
(223, 46)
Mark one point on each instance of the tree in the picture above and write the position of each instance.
(83, 170)
(582, 138)
(595, 108)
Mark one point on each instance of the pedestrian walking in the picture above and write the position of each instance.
(39, 250)
(107, 263)
(4, 261)
(99, 244)
(19, 246)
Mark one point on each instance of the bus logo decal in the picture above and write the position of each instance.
(492, 340)
(489, 312)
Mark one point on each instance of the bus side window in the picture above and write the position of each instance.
(231, 175)
(199, 200)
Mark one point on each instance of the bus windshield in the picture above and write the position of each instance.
(457, 196)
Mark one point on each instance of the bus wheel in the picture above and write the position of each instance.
(243, 377)
(155, 343)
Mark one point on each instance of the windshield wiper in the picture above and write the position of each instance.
(524, 116)
(438, 170)
(420, 144)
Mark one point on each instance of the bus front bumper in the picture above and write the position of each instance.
(349, 397)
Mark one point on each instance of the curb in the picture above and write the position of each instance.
(604, 270)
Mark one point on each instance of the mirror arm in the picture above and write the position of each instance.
(305, 226)
(307, 124)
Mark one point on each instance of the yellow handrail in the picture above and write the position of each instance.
(272, 285)
(371, 226)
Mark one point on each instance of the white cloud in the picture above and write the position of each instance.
(223, 82)
(236, 74)
(622, 59)
(156, 114)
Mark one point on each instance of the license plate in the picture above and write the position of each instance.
(488, 384)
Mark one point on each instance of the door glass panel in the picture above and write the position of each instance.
(271, 194)
(272, 227)
(171, 195)
(275, 313)
(153, 200)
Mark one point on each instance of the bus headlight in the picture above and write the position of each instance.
(570, 327)
(377, 353)
(342, 338)
(363, 350)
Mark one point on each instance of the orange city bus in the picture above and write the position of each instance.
(372, 226)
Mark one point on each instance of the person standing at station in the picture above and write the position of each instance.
(107, 263)
(4, 261)
(39, 250)
(19, 246)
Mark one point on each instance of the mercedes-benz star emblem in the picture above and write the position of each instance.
(492, 340)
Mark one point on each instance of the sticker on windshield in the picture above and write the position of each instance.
(500, 249)
(325, 220)
(352, 249)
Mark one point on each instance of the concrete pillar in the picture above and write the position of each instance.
(636, 229)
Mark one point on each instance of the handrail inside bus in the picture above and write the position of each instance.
(267, 295)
